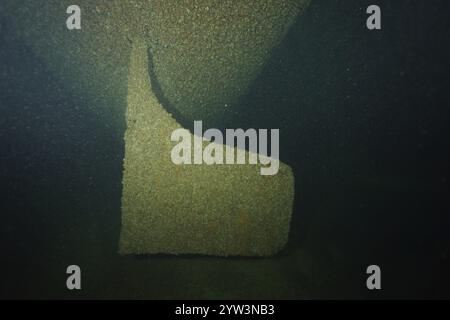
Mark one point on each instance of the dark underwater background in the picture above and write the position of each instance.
(364, 123)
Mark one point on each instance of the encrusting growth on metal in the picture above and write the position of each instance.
(199, 209)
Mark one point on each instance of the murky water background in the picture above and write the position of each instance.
(364, 124)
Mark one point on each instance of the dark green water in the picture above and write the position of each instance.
(364, 121)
